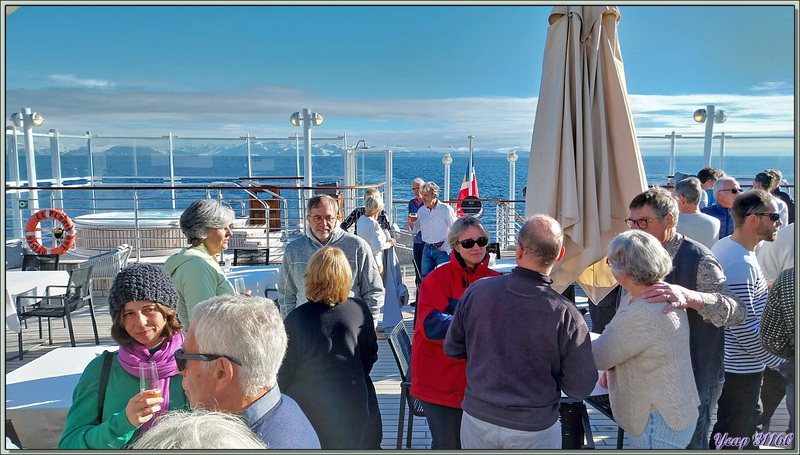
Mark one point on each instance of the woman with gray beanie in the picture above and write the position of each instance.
(206, 223)
(108, 411)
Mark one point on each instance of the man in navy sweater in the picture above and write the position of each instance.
(524, 343)
(725, 190)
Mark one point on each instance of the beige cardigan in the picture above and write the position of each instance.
(647, 355)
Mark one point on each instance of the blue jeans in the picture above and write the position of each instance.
(736, 408)
(431, 258)
(708, 401)
(658, 435)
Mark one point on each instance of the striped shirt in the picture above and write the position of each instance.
(743, 351)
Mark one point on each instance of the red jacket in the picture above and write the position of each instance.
(436, 378)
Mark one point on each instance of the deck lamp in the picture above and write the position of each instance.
(512, 158)
(447, 160)
(711, 116)
(26, 120)
(18, 119)
(308, 120)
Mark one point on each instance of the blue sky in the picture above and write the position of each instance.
(416, 76)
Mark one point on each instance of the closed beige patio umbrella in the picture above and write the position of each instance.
(585, 165)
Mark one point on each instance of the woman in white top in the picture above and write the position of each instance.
(368, 229)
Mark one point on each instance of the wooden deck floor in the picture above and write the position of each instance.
(385, 373)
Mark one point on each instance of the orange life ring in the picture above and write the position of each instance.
(32, 225)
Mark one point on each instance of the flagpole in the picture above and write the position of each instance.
(469, 176)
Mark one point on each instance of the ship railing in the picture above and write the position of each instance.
(499, 216)
(115, 214)
(146, 216)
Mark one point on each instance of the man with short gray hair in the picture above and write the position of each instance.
(433, 221)
(692, 222)
(725, 190)
(322, 228)
(524, 343)
(230, 361)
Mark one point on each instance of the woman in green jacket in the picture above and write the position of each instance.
(206, 223)
(142, 301)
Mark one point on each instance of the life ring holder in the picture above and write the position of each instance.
(52, 214)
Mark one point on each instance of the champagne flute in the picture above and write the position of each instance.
(238, 285)
(148, 377)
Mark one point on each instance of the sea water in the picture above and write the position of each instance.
(492, 175)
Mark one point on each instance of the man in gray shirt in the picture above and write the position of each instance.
(691, 222)
(323, 229)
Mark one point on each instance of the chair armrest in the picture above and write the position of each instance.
(47, 289)
(38, 299)
(41, 297)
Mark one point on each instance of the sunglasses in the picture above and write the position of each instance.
(734, 190)
(772, 216)
(469, 243)
(181, 357)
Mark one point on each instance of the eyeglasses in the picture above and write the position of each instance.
(641, 224)
(319, 219)
(181, 357)
(734, 190)
(772, 216)
(469, 243)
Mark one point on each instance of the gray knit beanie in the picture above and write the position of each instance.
(141, 281)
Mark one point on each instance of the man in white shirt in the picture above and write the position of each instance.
(691, 222)
(775, 257)
(433, 221)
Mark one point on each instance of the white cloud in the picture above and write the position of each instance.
(72, 81)
(772, 87)
(499, 123)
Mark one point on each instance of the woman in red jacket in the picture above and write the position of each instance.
(437, 380)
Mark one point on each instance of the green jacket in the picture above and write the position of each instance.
(85, 430)
(197, 277)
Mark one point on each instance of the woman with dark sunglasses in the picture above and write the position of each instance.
(142, 301)
(436, 379)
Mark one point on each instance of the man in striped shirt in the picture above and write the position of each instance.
(756, 218)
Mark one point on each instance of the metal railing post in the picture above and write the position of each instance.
(722, 151)
(16, 224)
(55, 160)
(137, 240)
(171, 170)
(672, 138)
(249, 160)
(91, 170)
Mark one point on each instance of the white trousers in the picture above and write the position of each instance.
(477, 434)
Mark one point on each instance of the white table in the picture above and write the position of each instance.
(39, 394)
(29, 282)
(503, 266)
(257, 278)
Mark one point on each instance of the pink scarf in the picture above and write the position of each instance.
(130, 356)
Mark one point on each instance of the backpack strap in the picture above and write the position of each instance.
(104, 374)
